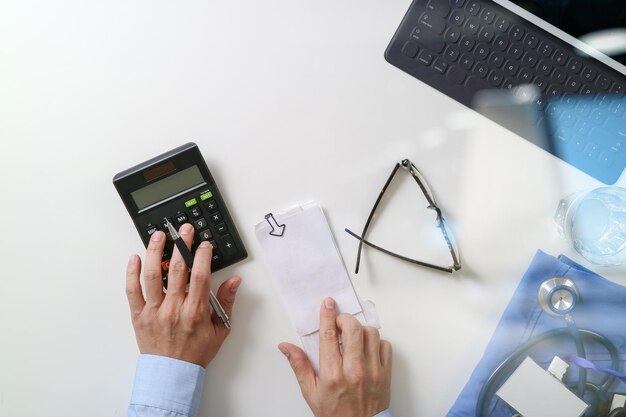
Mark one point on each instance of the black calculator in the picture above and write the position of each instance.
(177, 185)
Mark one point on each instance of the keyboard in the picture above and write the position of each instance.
(462, 47)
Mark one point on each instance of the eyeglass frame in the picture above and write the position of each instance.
(432, 204)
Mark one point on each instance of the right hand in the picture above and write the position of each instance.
(353, 384)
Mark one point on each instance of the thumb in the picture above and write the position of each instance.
(226, 294)
(301, 366)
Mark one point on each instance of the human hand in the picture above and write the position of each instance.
(353, 384)
(178, 324)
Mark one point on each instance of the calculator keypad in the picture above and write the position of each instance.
(202, 211)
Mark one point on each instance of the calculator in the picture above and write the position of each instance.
(178, 186)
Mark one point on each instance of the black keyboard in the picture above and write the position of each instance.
(461, 47)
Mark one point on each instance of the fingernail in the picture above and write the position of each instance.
(185, 229)
(204, 244)
(235, 286)
(329, 303)
(157, 236)
(133, 259)
(283, 350)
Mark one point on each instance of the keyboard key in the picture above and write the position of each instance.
(439, 8)
(587, 90)
(568, 119)
(502, 24)
(440, 66)
(210, 205)
(457, 18)
(495, 78)
(563, 136)
(574, 65)
(541, 83)
(453, 35)
(467, 61)
(617, 107)
(544, 68)
(510, 68)
(573, 84)
(151, 229)
(530, 59)
(603, 82)
(589, 74)
(546, 49)
(196, 212)
(427, 39)
(457, 3)
(425, 58)
(410, 49)
(592, 150)
(452, 53)
(180, 219)
(606, 159)
(487, 16)
(481, 69)
(434, 23)
(560, 57)
(501, 43)
(467, 43)
(486, 34)
(554, 91)
(496, 59)
(559, 76)
(456, 75)
(228, 245)
(215, 217)
(472, 26)
(531, 41)
(205, 235)
(583, 108)
(473, 7)
(617, 126)
(583, 127)
(515, 51)
(618, 88)
(509, 84)
(597, 117)
(482, 51)
(221, 228)
(525, 76)
(602, 101)
(578, 143)
(516, 33)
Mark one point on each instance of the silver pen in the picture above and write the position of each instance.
(188, 257)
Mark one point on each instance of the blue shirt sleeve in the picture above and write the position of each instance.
(166, 387)
(384, 413)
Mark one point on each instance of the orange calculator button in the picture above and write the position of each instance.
(165, 265)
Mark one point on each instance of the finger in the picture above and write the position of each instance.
(302, 368)
(330, 358)
(226, 295)
(136, 301)
(371, 345)
(179, 271)
(352, 340)
(200, 284)
(152, 273)
(385, 354)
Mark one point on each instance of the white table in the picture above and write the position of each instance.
(289, 102)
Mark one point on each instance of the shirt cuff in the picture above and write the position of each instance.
(168, 384)
(384, 413)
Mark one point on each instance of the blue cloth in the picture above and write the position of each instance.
(167, 387)
(602, 309)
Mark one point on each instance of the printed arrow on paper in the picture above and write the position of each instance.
(277, 229)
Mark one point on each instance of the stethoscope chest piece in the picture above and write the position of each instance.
(558, 296)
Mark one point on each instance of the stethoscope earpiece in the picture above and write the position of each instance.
(558, 296)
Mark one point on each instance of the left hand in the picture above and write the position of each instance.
(177, 324)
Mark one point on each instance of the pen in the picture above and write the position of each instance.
(188, 257)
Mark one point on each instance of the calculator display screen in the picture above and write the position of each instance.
(167, 187)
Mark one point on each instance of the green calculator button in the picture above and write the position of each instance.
(206, 196)
(191, 202)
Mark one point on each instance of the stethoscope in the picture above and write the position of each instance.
(558, 297)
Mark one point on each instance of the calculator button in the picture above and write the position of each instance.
(200, 223)
(205, 234)
(180, 219)
(217, 256)
(215, 217)
(165, 265)
(213, 244)
(228, 245)
(191, 202)
(151, 229)
(221, 228)
(206, 195)
(196, 211)
(166, 254)
(210, 205)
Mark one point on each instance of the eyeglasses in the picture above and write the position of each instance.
(439, 222)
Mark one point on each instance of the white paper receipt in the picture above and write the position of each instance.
(303, 259)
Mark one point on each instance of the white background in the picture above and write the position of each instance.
(289, 101)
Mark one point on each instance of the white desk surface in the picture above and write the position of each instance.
(289, 101)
